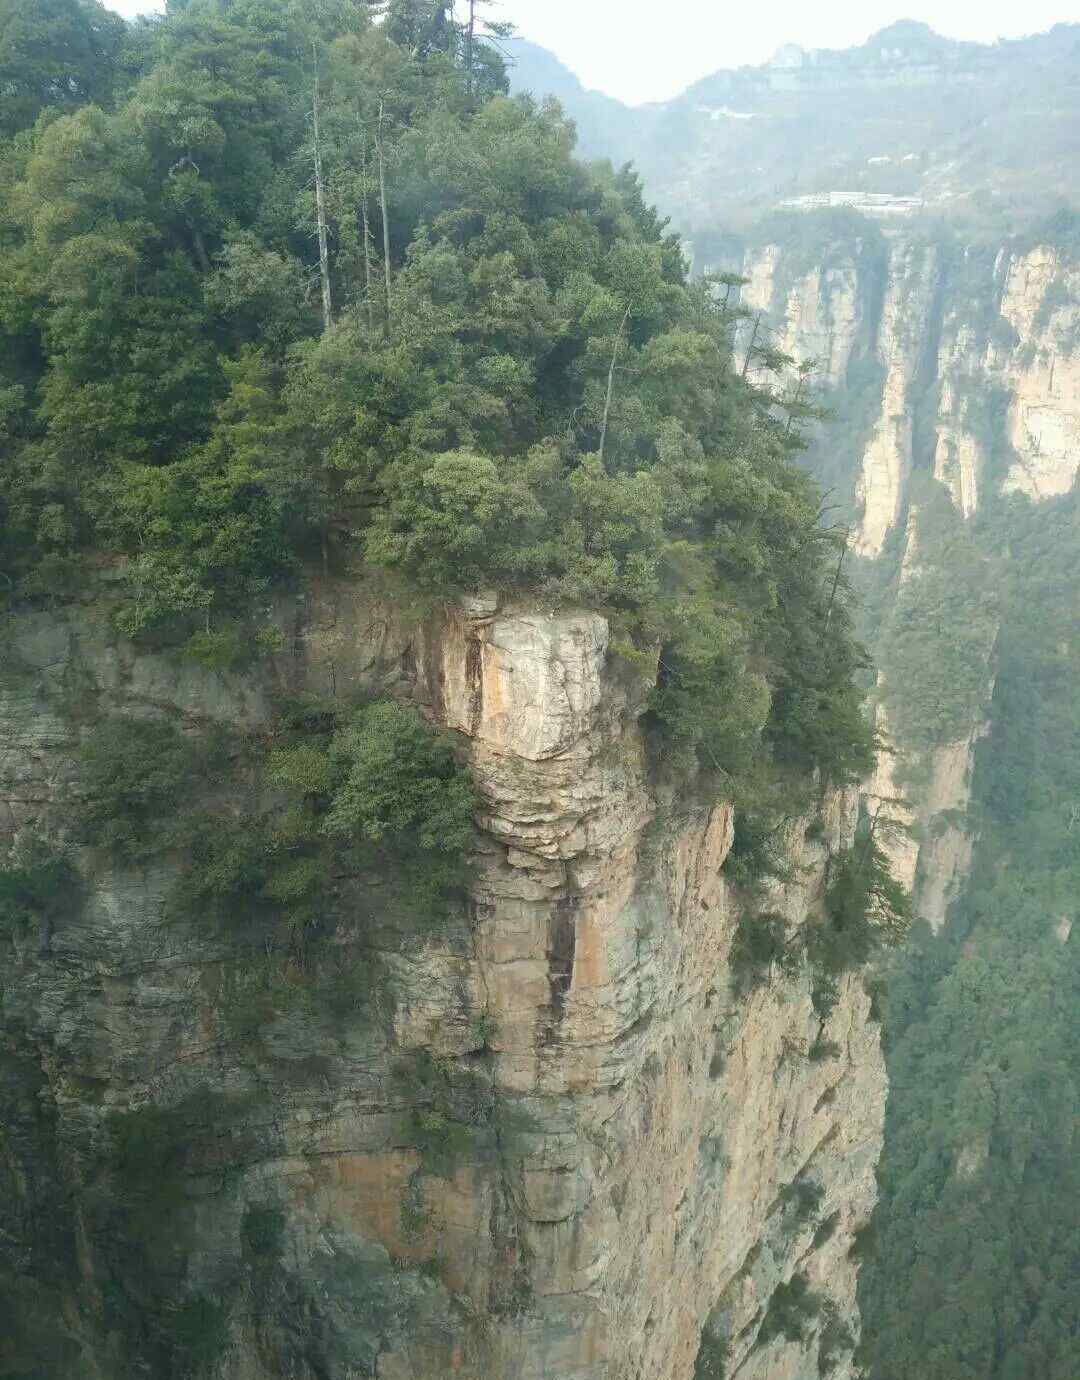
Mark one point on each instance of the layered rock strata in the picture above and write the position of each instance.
(982, 356)
(653, 1148)
(979, 360)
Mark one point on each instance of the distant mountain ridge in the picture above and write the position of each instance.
(982, 131)
(605, 125)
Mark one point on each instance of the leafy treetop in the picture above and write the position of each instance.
(510, 382)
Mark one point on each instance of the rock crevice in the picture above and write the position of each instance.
(629, 1115)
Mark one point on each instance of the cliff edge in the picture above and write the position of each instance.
(561, 1135)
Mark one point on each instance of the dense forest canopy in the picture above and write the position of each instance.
(289, 285)
(977, 1249)
(294, 291)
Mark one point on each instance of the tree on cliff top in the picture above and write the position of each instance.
(516, 386)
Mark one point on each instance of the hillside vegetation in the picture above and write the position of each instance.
(987, 134)
(977, 1236)
(298, 288)
(298, 298)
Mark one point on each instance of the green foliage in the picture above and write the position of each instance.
(937, 644)
(826, 1230)
(819, 240)
(216, 650)
(1061, 229)
(196, 1332)
(453, 1115)
(865, 908)
(714, 1354)
(35, 890)
(792, 1309)
(706, 703)
(149, 1146)
(232, 865)
(443, 1142)
(764, 809)
(171, 400)
(761, 941)
(145, 1142)
(262, 1230)
(979, 1182)
(54, 55)
(135, 776)
(801, 1200)
(835, 1341)
(372, 794)
(398, 784)
(141, 1220)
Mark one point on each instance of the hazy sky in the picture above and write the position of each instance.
(642, 51)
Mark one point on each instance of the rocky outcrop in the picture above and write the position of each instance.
(1041, 302)
(1010, 380)
(983, 357)
(980, 367)
(928, 840)
(828, 315)
(643, 1145)
(817, 317)
(886, 463)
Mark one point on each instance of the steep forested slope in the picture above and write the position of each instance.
(978, 1237)
(946, 345)
(950, 364)
(412, 606)
(186, 391)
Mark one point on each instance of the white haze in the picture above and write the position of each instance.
(649, 52)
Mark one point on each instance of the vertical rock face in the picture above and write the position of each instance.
(654, 1148)
(821, 316)
(1041, 302)
(985, 357)
(817, 317)
(980, 368)
(930, 853)
(887, 459)
(1010, 380)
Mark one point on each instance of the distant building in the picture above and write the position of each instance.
(870, 203)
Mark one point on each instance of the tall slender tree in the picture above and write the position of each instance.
(380, 155)
(320, 198)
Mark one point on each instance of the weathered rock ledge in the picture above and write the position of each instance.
(635, 1183)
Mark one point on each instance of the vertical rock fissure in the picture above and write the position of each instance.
(474, 679)
(561, 952)
(926, 383)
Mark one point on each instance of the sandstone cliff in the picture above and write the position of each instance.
(973, 362)
(648, 1147)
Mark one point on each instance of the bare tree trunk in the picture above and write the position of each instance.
(200, 250)
(793, 406)
(611, 381)
(365, 226)
(320, 208)
(836, 582)
(470, 37)
(753, 342)
(385, 219)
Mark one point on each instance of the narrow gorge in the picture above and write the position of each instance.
(952, 373)
(953, 376)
